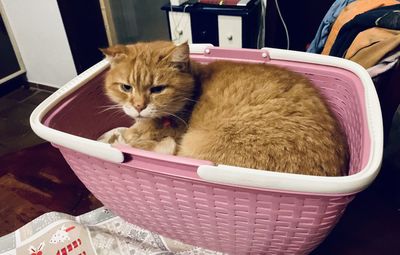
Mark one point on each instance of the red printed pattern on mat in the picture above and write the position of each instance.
(69, 247)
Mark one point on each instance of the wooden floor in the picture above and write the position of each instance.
(15, 109)
(34, 177)
(36, 180)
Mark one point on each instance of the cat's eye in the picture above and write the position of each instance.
(126, 87)
(157, 89)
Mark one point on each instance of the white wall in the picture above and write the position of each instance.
(41, 39)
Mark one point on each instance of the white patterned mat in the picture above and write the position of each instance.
(97, 232)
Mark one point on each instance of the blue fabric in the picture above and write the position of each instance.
(319, 41)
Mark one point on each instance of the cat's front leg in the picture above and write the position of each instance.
(167, 145)
(113, 136)
(149, 138)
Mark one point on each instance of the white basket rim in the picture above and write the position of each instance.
(230, 175)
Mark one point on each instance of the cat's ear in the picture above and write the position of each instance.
(180, 57)
(115, 53)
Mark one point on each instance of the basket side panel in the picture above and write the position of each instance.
(345, 96)
(217, 217)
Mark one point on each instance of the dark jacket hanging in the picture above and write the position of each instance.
(386, 17)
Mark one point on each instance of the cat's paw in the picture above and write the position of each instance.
(166, 146)
(113, 136)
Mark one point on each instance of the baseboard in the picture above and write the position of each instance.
(13, 84)
(42, 87)
(21, 81)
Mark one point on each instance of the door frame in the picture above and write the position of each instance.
(22, 70)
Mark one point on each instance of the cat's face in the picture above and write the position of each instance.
(149, 80)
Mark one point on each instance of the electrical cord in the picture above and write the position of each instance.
(261, 32)
(284, 25)
(177, 32)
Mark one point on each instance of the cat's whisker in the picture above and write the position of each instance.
(109, 108)
(189, 99)
(109, 105)
(115, 111)
(113, 106)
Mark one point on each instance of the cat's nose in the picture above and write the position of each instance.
(139, 107)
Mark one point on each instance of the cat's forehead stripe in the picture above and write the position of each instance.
(134, 71)
(140, 75)
(131, 75)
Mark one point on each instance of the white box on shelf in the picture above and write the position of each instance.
(177, 2)
(180, 27)
(230, 31)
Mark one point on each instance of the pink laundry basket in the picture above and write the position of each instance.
(222, 208)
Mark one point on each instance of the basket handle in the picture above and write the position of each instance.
(212, 53)
(161, 163)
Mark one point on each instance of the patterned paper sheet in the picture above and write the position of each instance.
(97, 232)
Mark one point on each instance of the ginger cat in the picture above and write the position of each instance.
(249, 115)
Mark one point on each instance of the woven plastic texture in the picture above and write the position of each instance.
(344, 94)
(236, 220)
(221, 218)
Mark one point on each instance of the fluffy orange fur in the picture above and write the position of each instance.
(250, 115)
